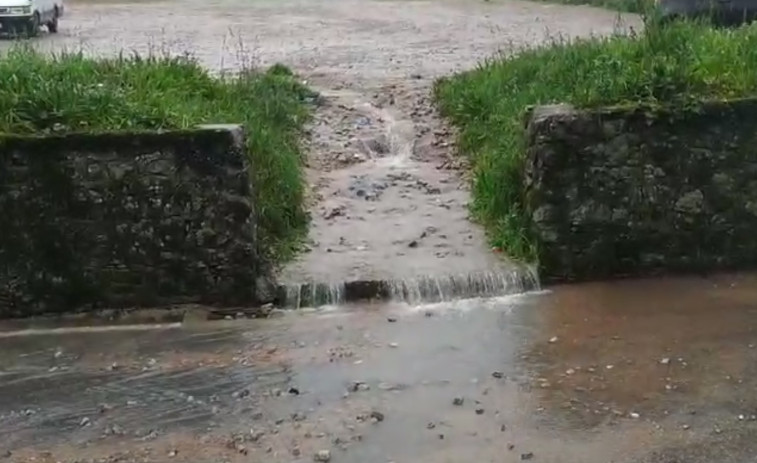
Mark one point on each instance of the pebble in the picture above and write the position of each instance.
(378, 416)
(84, 422)
(359, 386)
(322, 456)
(480, 411)
(510, 446)
(553, 340)
(430, 426)
(498, 375)
(294, 391)
(634, 415)
(391, 320)
(173, 453)
(393, 345)
(665, 361)
(526, 456)
(458, 401)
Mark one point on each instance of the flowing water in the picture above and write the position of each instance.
(648, 371)
(417, 290)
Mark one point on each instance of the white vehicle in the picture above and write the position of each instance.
(26, 16)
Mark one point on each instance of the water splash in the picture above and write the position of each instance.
(423, 289)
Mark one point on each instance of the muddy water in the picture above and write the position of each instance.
(646, 371)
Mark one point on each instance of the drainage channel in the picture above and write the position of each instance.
(418, 290)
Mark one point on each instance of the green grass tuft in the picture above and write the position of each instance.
(677, 65)
(73, 93)
(624, 6)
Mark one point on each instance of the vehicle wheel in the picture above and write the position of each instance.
(52, 26)
(32, 29)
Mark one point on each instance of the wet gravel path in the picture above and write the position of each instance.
(387, 197)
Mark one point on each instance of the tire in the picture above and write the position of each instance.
(32, 28)
(52, 26)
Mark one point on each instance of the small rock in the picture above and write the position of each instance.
(510, 446)
(503, 428)
(84, 422)
(526, 456)
(413, 244)
(378, 416)
(480, 411)
(686, 427)
(498, 374)
(441, 436)
(393, 345)
(431, 426)
(458, 401)
(391, 320)
(359, 386)
(665, 361)
(634, 415)
(570, 372)
(610, 367)
(241, 394)
(322, 456)
(294, 391)
(296, 452)
(173, 453)
(553, 340)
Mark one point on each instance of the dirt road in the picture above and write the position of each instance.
(387, 200)
(638, 372)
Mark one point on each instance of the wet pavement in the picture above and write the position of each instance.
(638, 371)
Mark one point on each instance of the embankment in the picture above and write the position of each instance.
(635, 190)
(125, 219)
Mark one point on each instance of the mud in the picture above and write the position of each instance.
(380, 382)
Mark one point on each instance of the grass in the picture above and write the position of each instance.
(675, 65)
(625, 6)
(70, 92)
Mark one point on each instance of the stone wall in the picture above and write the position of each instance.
(125, 219)
(630, 191)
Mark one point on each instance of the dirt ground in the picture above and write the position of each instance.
(387, 199)
(656, 371)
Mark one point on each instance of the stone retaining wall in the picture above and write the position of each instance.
(125, 219)
(631, 191)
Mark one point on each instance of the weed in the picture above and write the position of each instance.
(678, 65)
(625, 6)
(70, 92)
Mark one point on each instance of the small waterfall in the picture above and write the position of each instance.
(463, 286)
(296, 296)
(416, 290)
